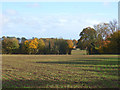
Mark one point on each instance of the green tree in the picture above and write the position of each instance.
(103, 30)
(87, 36)
(75, 42)
(47, 46)
(23, 39)
(113, 47)
(0, 45)
(9, 45)
(62, 46)
(25, 47)
(41, 46)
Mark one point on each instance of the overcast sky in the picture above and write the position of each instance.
(54, 19)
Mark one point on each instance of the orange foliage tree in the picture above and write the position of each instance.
(33, 45)
(70, 46)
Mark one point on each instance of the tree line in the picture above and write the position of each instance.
(103, 38)
(13, 45)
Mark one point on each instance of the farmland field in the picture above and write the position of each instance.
(60, 71)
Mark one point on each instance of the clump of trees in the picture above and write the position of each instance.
(111, 44)
(9, 45)
(104, 38)
(13, 45)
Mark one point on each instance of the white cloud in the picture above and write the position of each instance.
(106, 4)
(10, 25)
(5, 19)
(10, 12)
(92, 22)
(49, 26)
(33, 5)
(1, 18)
(43, 30)
(60, 0)
(0, 24)
(63, 20)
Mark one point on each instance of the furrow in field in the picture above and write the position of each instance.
(22, 70)
(10, 75)
(57, 74)
(7, 77)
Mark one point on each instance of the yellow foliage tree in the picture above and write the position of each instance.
(70, 43)
(25, 47)
(41, 46)
(33, 45)
(30, 46)
(70, 46)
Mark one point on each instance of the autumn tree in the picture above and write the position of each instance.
(9, 45)
(104, 31)
(70, 46)
(115, 42)
(111, 45)
(75, 42)
(47, 45)
(56, 46)
(41, 46)
(51, 46)
(33, 46)
(25, 47)
(113, 25)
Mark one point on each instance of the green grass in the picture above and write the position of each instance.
(79, 52)
(60, 71)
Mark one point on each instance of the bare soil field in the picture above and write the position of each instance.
(60, 71)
